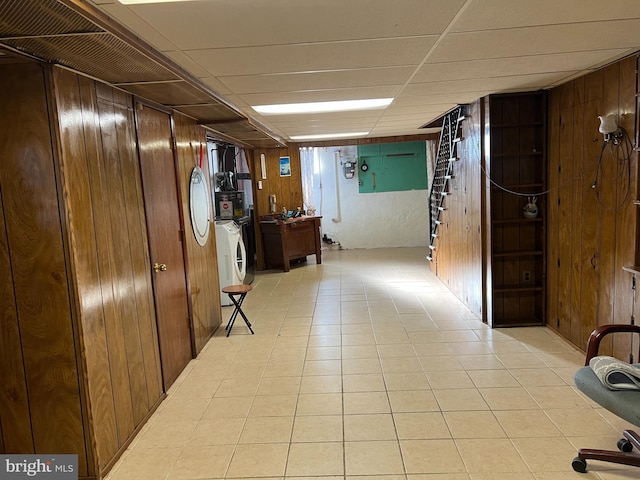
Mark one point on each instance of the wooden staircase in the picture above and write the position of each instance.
(447, 155)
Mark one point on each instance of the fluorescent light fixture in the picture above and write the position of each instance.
(323, 107)
(329, 135)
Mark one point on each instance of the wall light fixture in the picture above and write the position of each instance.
(609, 128)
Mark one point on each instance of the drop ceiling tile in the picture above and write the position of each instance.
(313, 57)
(127, 17)
(432, 99)
(495, 14)
(225, 23)
(186, 62)
(420, 109)
(216, 85)
(403, 124)
(500, 67)
(414, 116)
(496, 84)
(537, 41)
(410, 117)
(392, 132)
(330, 118)
(241, 84)
(347, 121)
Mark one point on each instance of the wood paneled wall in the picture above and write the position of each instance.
(202, 262)
(110, 259)
(591, 231)
(78, 336)
(40, 397)
(458, 254)
(288, 190)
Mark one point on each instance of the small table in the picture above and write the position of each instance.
(240, 291)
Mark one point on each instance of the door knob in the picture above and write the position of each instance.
(159, 267)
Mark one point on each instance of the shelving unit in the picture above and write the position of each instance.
(516, 162)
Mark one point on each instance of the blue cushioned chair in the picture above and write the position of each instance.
(625, 404)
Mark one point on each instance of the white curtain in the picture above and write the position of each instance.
(307, 170)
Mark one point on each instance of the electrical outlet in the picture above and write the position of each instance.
(526, 276)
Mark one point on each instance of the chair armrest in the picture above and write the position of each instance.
(602, 331)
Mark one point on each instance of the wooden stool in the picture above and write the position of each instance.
(240, 291)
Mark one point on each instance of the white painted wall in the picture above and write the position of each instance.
(368, 220)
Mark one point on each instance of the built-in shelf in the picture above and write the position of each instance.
(516, 163)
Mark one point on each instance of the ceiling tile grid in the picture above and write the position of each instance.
(428, 55)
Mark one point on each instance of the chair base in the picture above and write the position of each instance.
(627, 455)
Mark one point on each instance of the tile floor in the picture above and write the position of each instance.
(366, 367)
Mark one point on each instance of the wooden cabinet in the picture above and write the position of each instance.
(515, 167)
(286, 241)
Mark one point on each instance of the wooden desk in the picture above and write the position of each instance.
(286, 241)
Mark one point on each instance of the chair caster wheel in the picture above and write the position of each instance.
(624, 445)
(579, 465)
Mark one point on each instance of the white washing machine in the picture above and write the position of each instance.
(232, 256)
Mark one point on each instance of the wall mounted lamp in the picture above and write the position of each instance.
(609, 128)
(617, 139)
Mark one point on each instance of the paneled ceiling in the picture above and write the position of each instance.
(429, 55)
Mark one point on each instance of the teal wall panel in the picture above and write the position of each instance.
(392, 167)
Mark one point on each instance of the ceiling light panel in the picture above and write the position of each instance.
(329, 135)
(323, 107)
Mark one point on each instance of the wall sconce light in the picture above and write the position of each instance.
(615, 136)
(609, 128)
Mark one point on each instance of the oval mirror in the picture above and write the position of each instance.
(199, 203)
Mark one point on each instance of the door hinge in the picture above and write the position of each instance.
(181, 235)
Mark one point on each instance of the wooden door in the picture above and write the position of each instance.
(165, 239)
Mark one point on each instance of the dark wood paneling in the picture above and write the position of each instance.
(553, 254)
(122, 263)
(36, 252)
(288, 190)
(110, 260)
(102, 194)
(165, 233)
(458, 254)
(78, 194)
(593, 231)
(202, 261)
(139, 251)
(626, 226)
(14, 410)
